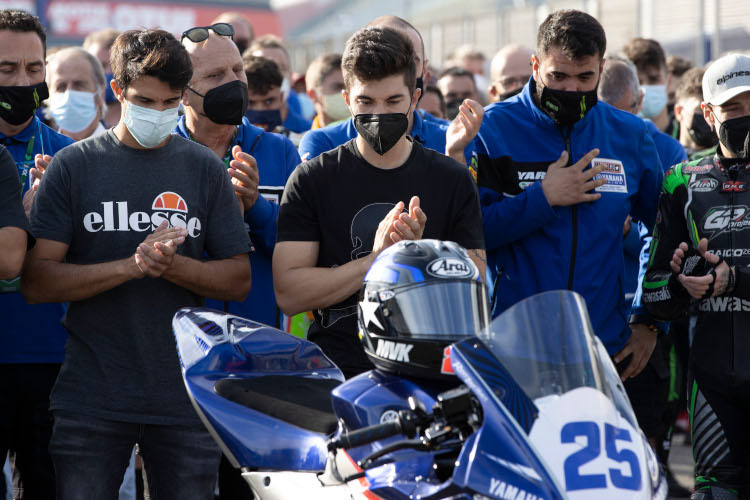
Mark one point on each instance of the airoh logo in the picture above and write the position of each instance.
(704, 185)
(167, 206)
(449, 267)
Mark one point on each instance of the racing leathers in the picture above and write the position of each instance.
(709, 198)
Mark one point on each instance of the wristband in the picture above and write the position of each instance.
(731, 280)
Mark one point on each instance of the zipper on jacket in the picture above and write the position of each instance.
(730, 261)
(574, 213)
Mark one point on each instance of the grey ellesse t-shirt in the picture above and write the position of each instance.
(103, 199)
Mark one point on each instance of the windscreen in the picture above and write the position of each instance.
(546, 343)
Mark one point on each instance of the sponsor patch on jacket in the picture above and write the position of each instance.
(734, 187)
(697, 169)
(614, 172)
(704, 185)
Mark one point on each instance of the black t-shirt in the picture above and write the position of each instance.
(338, 199)
(11, 208)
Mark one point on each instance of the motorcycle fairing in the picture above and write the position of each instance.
(215, 346)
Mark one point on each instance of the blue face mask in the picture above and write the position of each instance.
(109, 95)
(267, 119)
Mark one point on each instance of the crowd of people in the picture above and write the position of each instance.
(144, 172)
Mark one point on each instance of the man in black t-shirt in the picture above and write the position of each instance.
(341, 209)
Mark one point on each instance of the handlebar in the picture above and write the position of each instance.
(405, 424)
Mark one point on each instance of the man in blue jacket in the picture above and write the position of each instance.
(431, 132)
(33, 339)
(258, 162)
(565, 232)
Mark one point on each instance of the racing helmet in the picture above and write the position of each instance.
(417, 299)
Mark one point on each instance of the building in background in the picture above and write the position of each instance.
(69, 21)
(683, 27)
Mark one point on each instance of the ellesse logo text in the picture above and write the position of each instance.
(168, 206)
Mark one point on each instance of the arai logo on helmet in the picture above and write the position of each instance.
(449, 267)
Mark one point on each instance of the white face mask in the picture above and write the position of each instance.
(72, 110)
(654, 100)
(335, 107)
(148, 126)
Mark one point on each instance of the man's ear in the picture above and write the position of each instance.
(639, 106)
(426, 75)
(493, 91)
(415, 99)
(119, 95)
(708, 115)
(312, 95)
(346, 97)
(535, 67)
(678, 109)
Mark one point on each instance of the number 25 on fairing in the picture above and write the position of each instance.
(625, 475)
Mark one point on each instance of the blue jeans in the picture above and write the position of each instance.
(91, 454)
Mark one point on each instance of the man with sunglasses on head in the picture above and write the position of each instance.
(258, 162)
(33, 339)
(133, 225)
(700, 255)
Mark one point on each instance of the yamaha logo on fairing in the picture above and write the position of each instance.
(394, 350)
(450, 268)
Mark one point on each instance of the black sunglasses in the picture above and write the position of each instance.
(200, 33)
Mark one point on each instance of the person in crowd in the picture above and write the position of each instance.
(271, 47)
(676, 67)
(474, 61)
(266, 106)
(698, 264)
(457, 85)
(696, 134)
(540, 198)
(429, 131)
(386, 186)
(653, 393)
(15, 239)
(432, 102)
(124, 221)
(33, 339)
(325, 82)
(258, 162)
(77, 93)
(214, 116)
(98, 44)
(243, 30)
(619, 87)
(651, 64)
(510, 69)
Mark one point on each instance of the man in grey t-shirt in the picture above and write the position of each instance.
(124, 222)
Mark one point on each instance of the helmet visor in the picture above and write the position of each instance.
(448, 311)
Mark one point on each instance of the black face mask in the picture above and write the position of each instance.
(701, 132)
(381, 132)
(735, 136)
(18, 104)
(565, 107)
(225, 104)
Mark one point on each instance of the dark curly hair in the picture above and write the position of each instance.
(21, 21)
(262, 73)
(574, 33)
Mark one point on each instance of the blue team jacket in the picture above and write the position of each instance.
(277, 158)
(541, 248)
(31, 333)
(430, 133)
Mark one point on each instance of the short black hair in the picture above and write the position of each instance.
(262, 73)
(457, 72)
(574, 33)
(150, 52)
(377, 53)
(677, 65)
(21, 21)
(645, 53)
(400, 23)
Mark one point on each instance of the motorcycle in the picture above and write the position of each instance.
(537, 411)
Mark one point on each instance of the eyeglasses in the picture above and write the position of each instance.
(200, 33)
